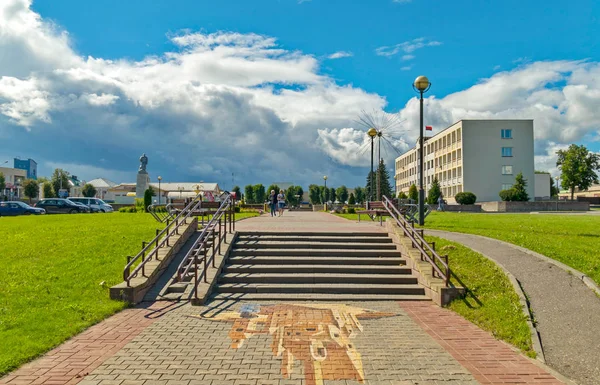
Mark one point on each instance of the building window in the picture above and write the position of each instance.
(507, 134)
(507, 151)
(506, 186)
(507, 170)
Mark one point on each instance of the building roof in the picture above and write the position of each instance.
(102, 183)
(186, 186)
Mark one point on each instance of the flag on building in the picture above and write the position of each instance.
(429, 128)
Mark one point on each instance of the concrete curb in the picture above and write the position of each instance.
(587, 280)
(535, 336)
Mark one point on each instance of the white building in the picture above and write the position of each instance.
(102, 185)
(125, 192)
(13, 180)
(479, 156)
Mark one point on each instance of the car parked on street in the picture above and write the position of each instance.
(84, 207)
(59, 206)
(18, 208)
(95, 204)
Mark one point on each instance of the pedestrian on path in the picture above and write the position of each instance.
(273, 203)
(280, 202)
(441, 203)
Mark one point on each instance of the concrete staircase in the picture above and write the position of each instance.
(316, 266)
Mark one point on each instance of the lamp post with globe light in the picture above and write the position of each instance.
(325, 192)
(421, 85)
(159, 179)
(372, 133)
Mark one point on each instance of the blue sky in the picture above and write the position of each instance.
(382, 46)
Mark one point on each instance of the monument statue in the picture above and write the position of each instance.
(143, 163)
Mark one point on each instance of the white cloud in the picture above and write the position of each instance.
(401, 1)
(406, 68)
(406, 47)
(100, 100)
(340, 54)
(408, 57)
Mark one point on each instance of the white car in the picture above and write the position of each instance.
(97, 205)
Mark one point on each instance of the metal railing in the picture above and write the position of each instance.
(162, 213)
(150, 249)
(418, 242)
(213, 233)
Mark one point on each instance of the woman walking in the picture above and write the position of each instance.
(280, 202)
(273, 203)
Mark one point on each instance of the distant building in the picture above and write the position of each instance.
(479, 156)
(542, 185)
(102, 186)
(29, 165)
(125, 192)
(13, 178)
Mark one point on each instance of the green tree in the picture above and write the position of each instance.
(60, 180)
(359, 193)
(88, 190)
(402, 195)
(238, 193)
(434, 192)
(48, 190)
(31, 189)
(370, 189)
(249, 194)
(148, 194)
(2, 185)
(520, 188)
(314, 194)
(384, 181)
(299, 192)
(342, 193)
(553, 188)
(578, 168)
(413, 193)
(290, 196)
(351, 199)
(324, 194)
(259, 193)
(332, 194)
(273, 187)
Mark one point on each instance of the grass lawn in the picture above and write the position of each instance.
(52, 267)
(571, 239)
(491, 301)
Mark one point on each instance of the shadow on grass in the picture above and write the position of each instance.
(469, 296)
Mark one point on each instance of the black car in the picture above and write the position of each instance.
(18, 208)
(59, 206)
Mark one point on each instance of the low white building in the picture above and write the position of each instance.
(479, 156)
(125, 192)
(13, 180)
(102, 185)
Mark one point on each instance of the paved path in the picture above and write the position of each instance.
(566, 310)
(307, 343)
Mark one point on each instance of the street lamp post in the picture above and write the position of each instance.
(372, 133)
(159, 179)
(325, 192)
(557, 191)
(421, 85)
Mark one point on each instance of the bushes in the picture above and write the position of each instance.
(507, 195)
(351, 210)
(465, 198)
(130, 209)
(518, 192)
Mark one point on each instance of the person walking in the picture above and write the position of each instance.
(280, 202)
(441, 203)
(273, 203)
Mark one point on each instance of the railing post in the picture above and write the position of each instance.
(143, 259)
(447, 270)
(214, 246)
(128, 270)
(157, 232)
(205, 270)
(196, 275)
(177, 226)
(433, 245)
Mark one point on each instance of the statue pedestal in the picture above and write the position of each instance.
(142, 183)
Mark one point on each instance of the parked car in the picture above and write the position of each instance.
(18, 208)
(85, 208)
(59, 206)
(97, 205)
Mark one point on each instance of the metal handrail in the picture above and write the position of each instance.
(419, 242)
(156, 243)
(161, 216)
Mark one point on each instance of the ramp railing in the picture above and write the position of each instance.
(162, 213)
(438, 263)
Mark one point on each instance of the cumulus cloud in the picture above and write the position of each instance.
(340, 54)
(223, 103)
(406, 47)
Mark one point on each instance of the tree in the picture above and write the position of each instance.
(351, 199)
(259, 193)
(359, 194)
(299, 192)
(290, 196)
(48, 190)
(60, 180)
(238, 193)
(271, 188)
(520, 192)
(31, 189)
(553, 189)
(249, 193)
(384, 181)
(413, 193)
(314, 194)
(434, 192)
(148, 194)
(324, 194)
(578, 168)
(332, 195)
(88, 190)
(402, 195)
(370, 189)
(342, 193)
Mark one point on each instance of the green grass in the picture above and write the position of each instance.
(571, 239)
(52, 268)
(491, 301)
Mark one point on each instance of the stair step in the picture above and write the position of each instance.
(333, 269)
(314, 238)
(308, 260)
(307, 278)
(330, 297)
(313, 252)
(312, 233)
(313, 245)
(178, 287)
(342, 288)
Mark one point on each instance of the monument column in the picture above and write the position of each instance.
(143, 179)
